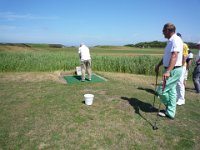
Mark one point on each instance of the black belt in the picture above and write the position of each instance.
(174, 67)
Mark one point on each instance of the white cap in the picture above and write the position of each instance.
(198, 43)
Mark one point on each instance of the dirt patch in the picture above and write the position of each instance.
(56, 76)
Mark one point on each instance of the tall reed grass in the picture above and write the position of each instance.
(52, 61)
(36, 61)
(135, 64)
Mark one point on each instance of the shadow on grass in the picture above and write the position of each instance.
(146, 89)
(141, 106)
(192, 90)
(77, 77)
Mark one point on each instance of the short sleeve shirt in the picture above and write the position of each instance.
(190, 56)
(185, 51)
(174, 44)
(84, 53)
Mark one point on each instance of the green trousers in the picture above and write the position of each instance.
(168, 96)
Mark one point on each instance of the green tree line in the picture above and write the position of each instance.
(157, 44)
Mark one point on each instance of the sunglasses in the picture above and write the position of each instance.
(164, 30)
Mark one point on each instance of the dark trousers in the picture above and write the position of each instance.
(196, 78)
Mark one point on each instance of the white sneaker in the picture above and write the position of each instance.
(180, 102)
(162, 114)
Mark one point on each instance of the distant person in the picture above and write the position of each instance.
(180, 87)
(85, 58)
(172, 62)
(189, 63)
(196, 72)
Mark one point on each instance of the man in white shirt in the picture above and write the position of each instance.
(172, 62)
(196, 72)
(180, 87)
(84, 54)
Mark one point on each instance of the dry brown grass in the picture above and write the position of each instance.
(131, 78)
(8, 48)
(34, 76)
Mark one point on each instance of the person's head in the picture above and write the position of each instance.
(168, 30)
(81, 44)
(198, 45)
(178, 34)
(189, 51)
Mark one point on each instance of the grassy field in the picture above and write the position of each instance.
(40, 111)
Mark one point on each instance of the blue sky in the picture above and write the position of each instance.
(96, 22)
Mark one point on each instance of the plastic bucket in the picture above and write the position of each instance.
(88, 99)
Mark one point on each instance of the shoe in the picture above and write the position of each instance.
(89, 79)
(162, 114)
(180, 102)
(163, 111)
(83, 80)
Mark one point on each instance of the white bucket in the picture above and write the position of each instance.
(88, 99)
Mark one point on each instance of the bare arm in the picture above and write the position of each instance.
(80, 55)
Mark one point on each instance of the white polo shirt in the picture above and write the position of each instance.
(190, 55)
(84, 52)
(174, 44)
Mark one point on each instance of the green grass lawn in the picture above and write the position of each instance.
(39, 111)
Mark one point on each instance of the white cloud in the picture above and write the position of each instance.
(10, 16)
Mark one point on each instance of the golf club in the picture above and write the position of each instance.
(164, 83)
(155, 90)
(155, 123)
